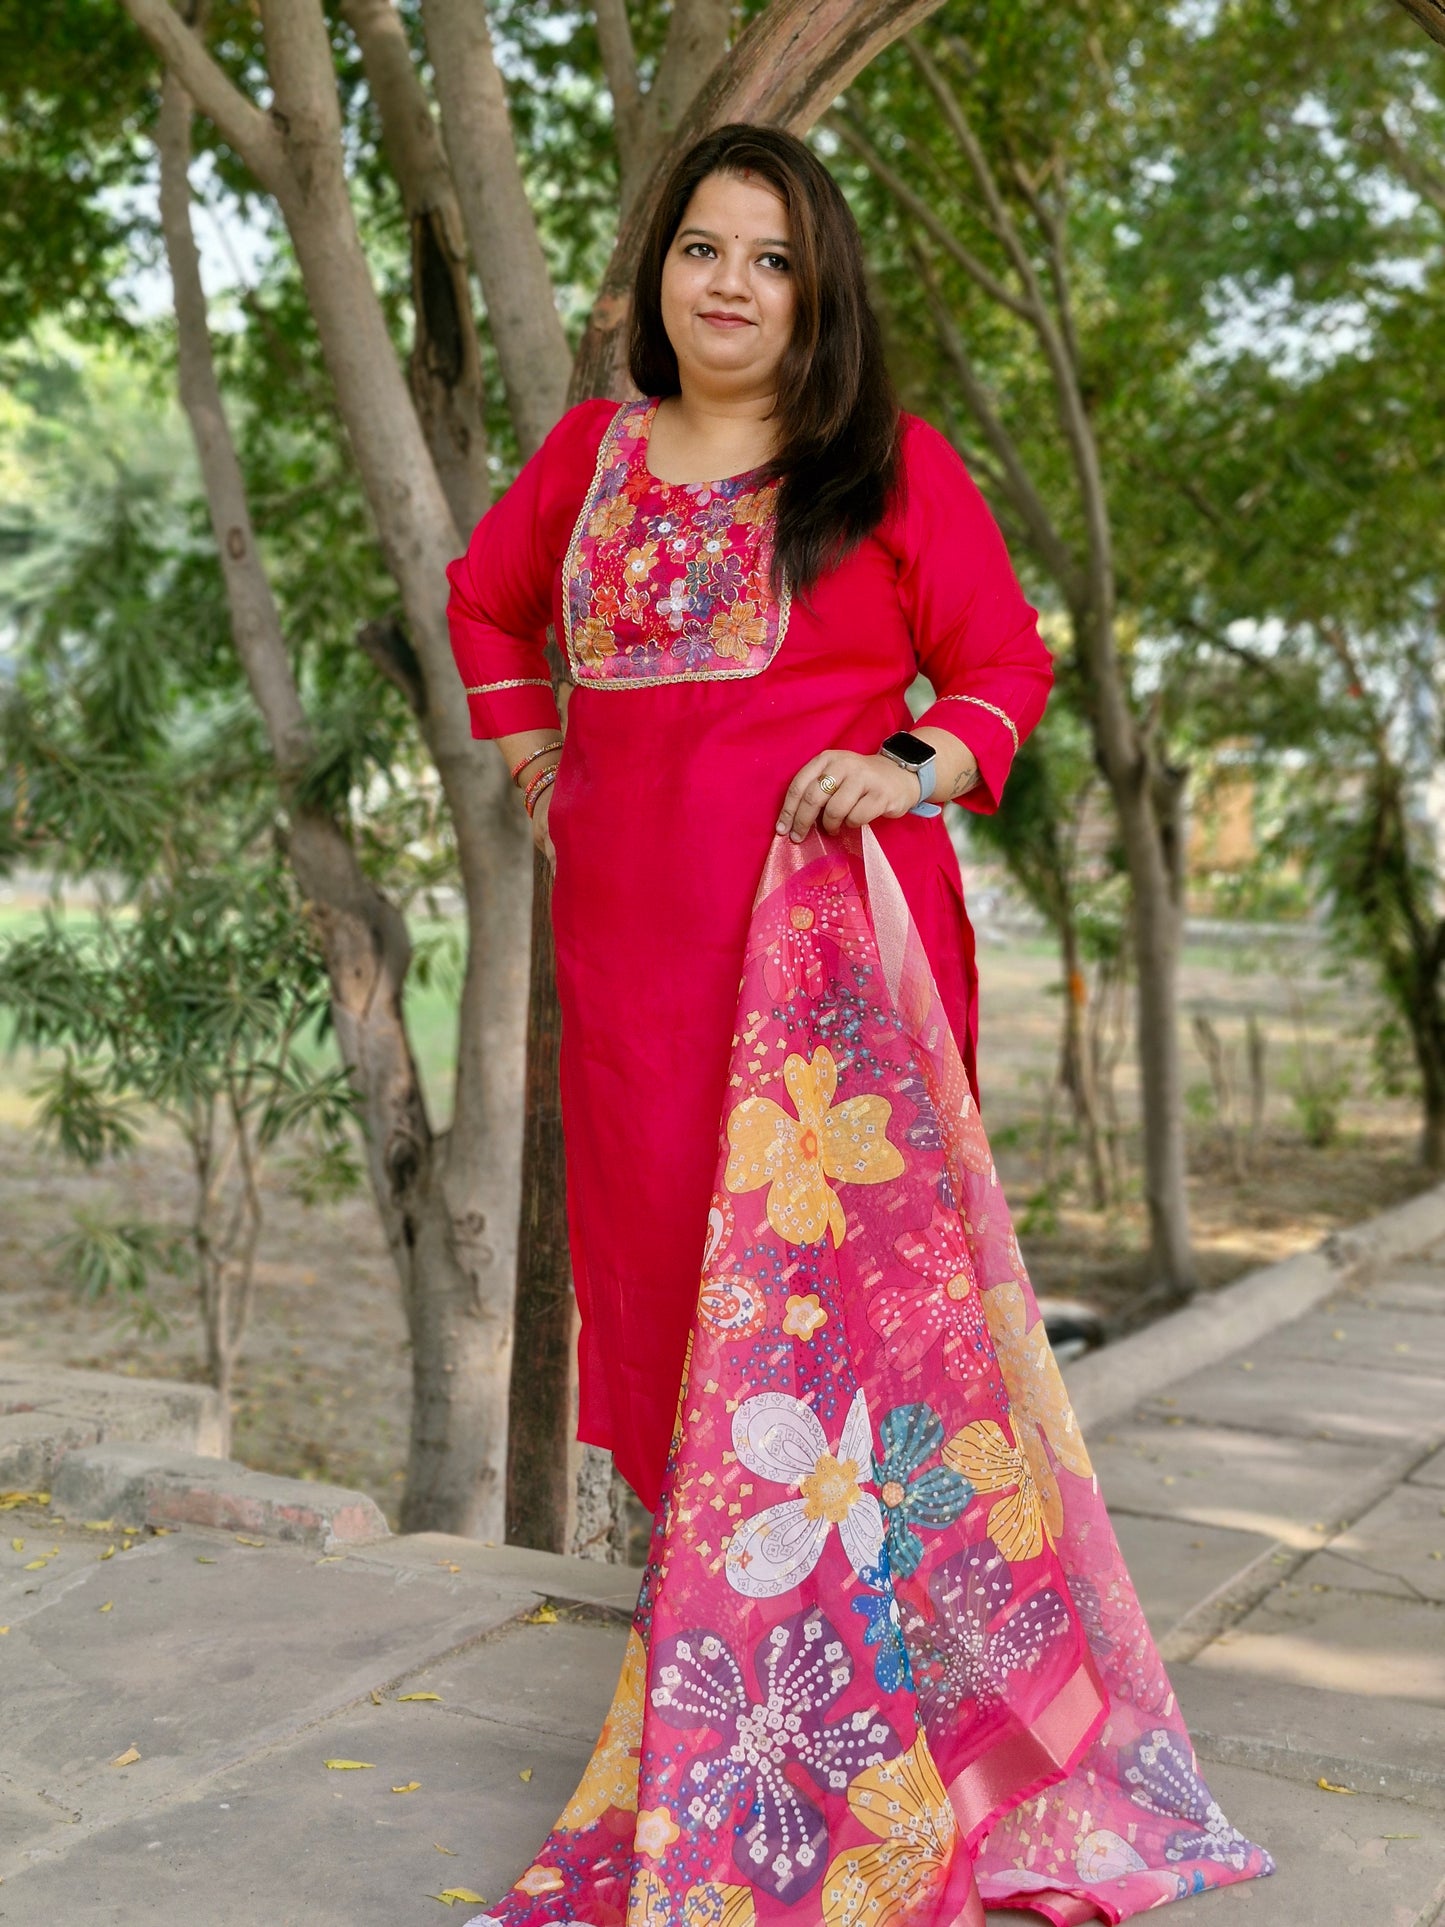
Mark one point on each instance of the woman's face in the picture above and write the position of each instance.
(727, 286)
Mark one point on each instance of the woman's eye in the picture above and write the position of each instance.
(697, 247)
(777, 261)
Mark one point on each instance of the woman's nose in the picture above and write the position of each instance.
(730, 274)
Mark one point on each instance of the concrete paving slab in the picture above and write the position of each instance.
(1175, 1563)
(1341, 1861)
(1394, 1749)
(1349, 1331)
(1273, 1486)
(1421, 1289)
(1307, 1399)
(1432, 1472)
(209, 1651)
(1397, 1547)
(547, 1575)
(340, 1849)
(32, 1444)
(1343, 1642)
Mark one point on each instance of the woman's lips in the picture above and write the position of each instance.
(726, 320)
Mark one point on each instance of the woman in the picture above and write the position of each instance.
(741, 650)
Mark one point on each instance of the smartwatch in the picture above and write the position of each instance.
(911, 752)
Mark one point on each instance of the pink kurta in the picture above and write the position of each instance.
(697, 699)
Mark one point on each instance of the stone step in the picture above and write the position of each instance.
(138, 1483)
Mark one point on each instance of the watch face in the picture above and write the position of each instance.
(904, 748)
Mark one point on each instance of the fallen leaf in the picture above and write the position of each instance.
(441, 1849)
(525, 1774)
(1399, 1836)
(109, 1553)
(350, 1766)
(107, 1606)
(34, 1565)
(448, 1566)
(449, 1896)
(375, 1697)
(330, 1558)
(162, 1532)
(417, 1696)
(241, 1540)
(410, 1787)
(1328, 1786)
(546, 1613)
(100, 1525)
(128, 1758)
(202, 1560)
(3, 1630)
(17, 1545)
(9, 1500)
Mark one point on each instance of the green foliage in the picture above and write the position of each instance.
(115, 1259)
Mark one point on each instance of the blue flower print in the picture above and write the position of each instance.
(883, 1628)
(913, 1493)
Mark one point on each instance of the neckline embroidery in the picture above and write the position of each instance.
(668, 582)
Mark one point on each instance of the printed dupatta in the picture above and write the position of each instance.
(887, 1662)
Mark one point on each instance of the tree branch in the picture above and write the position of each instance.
(1018, 485)
(619, 63)
(844, 123)
(1430, 14)
(527, 331)
(238, 121)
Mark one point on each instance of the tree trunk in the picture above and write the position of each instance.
(1078, 1065)
(447, 1204)
(542, 1418)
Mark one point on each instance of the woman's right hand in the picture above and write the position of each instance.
(541, 835)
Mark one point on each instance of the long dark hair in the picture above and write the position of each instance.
(837, 449)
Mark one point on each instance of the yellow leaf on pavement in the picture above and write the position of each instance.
(202, 1560)
(350, 1766)
(241, 1540)
(441, 1849)
(9, 1500)
(525, 1774)
(100, 1525)
(107, 1606)
(449, 1896)
(109, 1553)
(447, 1565)
(34, 1565)
(410, 1787)
(4, 1630)
(417, 1696)
(376, 1699)
(1329, 1786)
(17, 1545)
(128, 1758)
(545, 1615)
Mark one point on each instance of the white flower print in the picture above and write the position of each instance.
(780, 1438)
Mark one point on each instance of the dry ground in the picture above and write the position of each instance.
(324, 1385)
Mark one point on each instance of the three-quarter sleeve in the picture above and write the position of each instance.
(502, 588)
(976, 635)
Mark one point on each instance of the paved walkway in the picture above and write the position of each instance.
(1283, 1511)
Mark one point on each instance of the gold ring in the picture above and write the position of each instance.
(827, 784)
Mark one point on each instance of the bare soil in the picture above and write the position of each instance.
(324, 1386)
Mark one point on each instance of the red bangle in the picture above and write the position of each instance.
(537, 785)
(517, 768)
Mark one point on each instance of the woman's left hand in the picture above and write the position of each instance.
(867, 787)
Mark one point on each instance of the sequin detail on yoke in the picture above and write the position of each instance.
(668, 582)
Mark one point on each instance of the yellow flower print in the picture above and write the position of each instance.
(905, 1804)
(541, 1880)
(734, 631)
(638, 566)
(982, 1454)
(593, 640)
(755, 507)
(611, 1776)
(804, 1316)
(1039, 1404)
(611, 518)
(656, 1831)
(796, 1156)
(715, 1903)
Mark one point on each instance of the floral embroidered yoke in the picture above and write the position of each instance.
(887, 1665)
(669, 581)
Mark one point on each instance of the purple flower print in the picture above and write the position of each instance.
(751, 1778)
(725, 579)
(1164, 1781)
(693, 647)
(579, 595)
(967, 1651)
